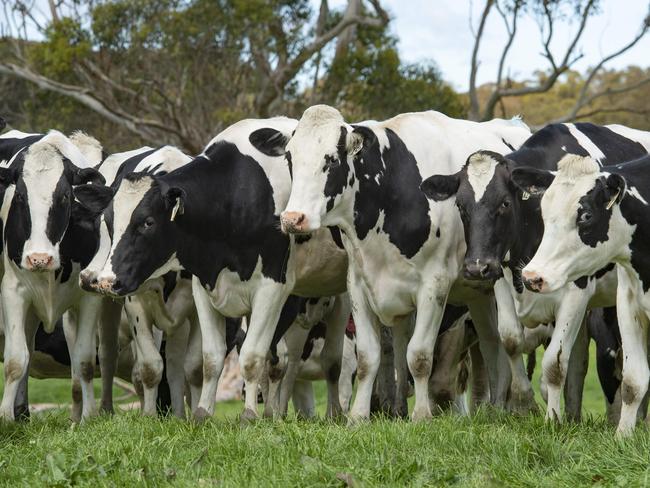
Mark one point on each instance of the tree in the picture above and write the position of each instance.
(548, 14)
(144, 65)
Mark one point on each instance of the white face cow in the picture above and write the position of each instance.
(322, 164)
(583, 226)
(39, 213)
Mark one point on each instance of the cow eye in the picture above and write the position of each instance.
(331, 162)
(585, 217)
(148, 222)
(64, 197)
(505, 204)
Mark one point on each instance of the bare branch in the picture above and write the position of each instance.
(583, 100)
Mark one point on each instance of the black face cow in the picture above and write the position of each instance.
(218, 218)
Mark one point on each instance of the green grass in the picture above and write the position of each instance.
(490, 449)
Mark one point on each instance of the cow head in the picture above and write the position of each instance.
(43, 177)
(583, 226)
(488, 205)
(137, 233)
(319, 154)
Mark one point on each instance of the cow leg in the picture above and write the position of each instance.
(274, 376)
(84, 352)
(295, 339)
(480, 381)
(368, 347)
(576, 372)
(15, 309)
(484, 316)
(266, 308)
(384, 389)
(401, 335)
(568, 321)
(303, 399)
(176, 350)
(635, 355)
(348, 373)
(150, 363)
(70, 332)
(332, 353)
(194, 362)
(21, 406)
(111, 315)
(430, 309)
(522, 399)
(444, 377)
(213, 334)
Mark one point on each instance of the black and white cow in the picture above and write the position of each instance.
(166, 303)
(218, 218)
(594, 216)
(503, 228)
(404, 251)
(47, 241)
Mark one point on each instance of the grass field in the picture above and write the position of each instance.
(490, 449)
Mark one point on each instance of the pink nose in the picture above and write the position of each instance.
(39, 261)
(533, 281)
(105, 285)
(293, 222)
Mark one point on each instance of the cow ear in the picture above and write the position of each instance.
(269, 141)
(175, 200)
(8, 176)
(93, 197)
(615, 189)
(354, 142)
(532, 181)
(82, 176)
(441, 187)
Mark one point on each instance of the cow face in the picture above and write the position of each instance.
(583, 227)
(320, 154)
(41, 205)
(488, 205)
(138, 223)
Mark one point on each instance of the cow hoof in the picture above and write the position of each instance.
(268, 413)
(421, 415)
(552, 417)
(247, 416)
(21, 413)
(354, 420)
(523, 403)
(201, 415)
(107, 410)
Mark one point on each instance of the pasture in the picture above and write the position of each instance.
(490, 449)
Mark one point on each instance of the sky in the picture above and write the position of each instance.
(439, 30)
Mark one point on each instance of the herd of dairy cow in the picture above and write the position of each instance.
(456, 247)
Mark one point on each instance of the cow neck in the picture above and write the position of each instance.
(229, 219)
(636, 214)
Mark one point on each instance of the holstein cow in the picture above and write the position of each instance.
(405, 252)
(46, 243)
(594, 216)
(166, 302)
(218, 218)
(503, 228)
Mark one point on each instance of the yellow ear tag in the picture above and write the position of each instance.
(176, 209)
(525, 195)
(613, 200)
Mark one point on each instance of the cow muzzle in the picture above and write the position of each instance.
(534, 281)
(106, 285)
(40, 261)
(488, 270)
(294, 222)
